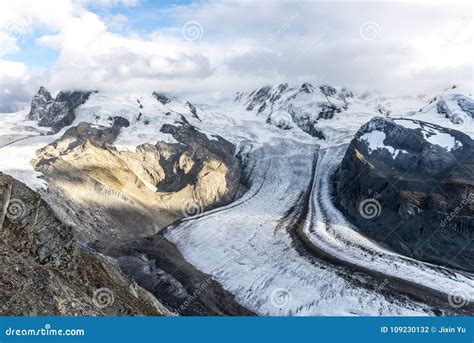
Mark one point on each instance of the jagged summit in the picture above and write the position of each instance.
(268, 96)
(287, 106)
(305, 107)
(162, 98)
(59, 112)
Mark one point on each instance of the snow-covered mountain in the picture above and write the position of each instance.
(307, 106)
(238, 194)
(453, 108)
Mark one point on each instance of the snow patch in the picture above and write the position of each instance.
(375, 141)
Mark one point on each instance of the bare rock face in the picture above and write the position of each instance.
(56, 113)
(129, 194)
(409, 185)
(31, 227)
(163, 99)
(40, 102)
(43, 271)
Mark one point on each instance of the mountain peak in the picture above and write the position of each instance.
(161, 97)
(59, 112)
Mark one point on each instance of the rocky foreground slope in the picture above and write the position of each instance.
(44, 272)
(409, 185)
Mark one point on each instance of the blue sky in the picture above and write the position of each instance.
(144, 17)
(188, 48)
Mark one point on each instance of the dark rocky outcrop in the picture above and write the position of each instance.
(56, 113)
(328, 110)
(257, 98)
(422, 193)
(198, 148)
(307, 88)
(193, 110)
(467, 105)
(328, 90)
(163, 99)
(456, 107)
(307, 125)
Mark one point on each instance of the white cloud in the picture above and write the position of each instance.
(416, 47)
(18, 19)
(110, 3)
(15, 85)
(414, 44)
(7, 44)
